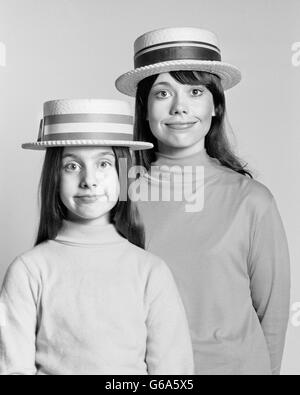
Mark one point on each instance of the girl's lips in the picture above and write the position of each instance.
(180, 125)
(91, 199)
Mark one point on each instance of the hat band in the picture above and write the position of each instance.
(88, 136)
(63, 127)
(86, 118)
(176, 53)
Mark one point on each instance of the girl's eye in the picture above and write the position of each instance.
(197, 92)
(104, 164)
(162, 94)
(72, 167)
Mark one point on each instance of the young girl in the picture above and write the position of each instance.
(85, 300)
(225, 241)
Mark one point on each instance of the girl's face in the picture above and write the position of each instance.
(89, 186)
(179, 115)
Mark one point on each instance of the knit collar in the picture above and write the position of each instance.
(200, 158)
(89, 235)
(193, 164)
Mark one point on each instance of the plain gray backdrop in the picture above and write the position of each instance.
(76, 49)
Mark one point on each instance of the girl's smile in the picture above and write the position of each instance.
(180, 125)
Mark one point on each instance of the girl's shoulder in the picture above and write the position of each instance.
(142, 254)
(32, 260)
(243, 191)
(156, 279)
(146, 261)
(259, 192)
(37, 252)
(245, 186)
(25, 269)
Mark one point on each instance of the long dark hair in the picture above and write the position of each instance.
(216, 142)
(124, 215)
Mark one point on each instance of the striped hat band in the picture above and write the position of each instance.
(176, 50)
(90, 126)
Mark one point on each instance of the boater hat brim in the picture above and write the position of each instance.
(134, 145)
(229, 75)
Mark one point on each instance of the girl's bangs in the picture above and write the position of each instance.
(191, 77)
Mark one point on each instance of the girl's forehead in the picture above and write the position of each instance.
(164, 77)
(168, 80)
(88, 151)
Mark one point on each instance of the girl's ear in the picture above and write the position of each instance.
(213, 112)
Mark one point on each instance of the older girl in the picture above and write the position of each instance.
(87, 299)
(223, 240)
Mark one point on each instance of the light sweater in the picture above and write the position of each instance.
(90, 302)
(230, 261)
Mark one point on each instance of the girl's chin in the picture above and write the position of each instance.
(178, 144)
(88, 216)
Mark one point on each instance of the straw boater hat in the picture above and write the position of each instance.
(86, 122)
(174, 49)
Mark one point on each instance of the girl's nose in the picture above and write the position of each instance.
(90, 179)
(179, 106)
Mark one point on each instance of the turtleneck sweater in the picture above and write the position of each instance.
(89, 302)
(226, 247)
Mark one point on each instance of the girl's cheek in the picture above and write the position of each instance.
(156, 111)
(113, 195)
(69, 183)
(113, 185)
(117, 189)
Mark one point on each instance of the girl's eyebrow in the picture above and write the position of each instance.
(171, 86)
(162, 83)
(69, 156)
(74, 156)
(197, 85)
(104, 153)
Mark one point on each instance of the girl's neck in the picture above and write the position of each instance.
(101, 221)
(189, 163)
(178, 153)
(88, 234)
